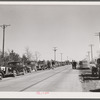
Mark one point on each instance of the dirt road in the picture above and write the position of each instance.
(61, 79)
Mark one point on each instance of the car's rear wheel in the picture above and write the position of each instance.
(99, 73)
(24, 72)
(1, 76)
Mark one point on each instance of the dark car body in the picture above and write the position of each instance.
(41, 65)
(13, 69)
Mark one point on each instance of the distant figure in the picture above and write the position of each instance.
(35, 66)
(49, 64)
(74, 63)
(53, 64)
(81, 64)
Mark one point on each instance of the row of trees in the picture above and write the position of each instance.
(12, 56)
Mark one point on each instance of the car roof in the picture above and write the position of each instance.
(13, 62)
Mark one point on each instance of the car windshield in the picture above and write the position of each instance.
(92, 62)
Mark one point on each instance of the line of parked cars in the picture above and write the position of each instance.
(94, 66)
(15, 68)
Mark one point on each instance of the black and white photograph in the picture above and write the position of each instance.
(50, 48)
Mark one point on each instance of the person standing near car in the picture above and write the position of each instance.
(35, 66)
(53, 64)
(80, 64)
(49, 64)
(74, 63)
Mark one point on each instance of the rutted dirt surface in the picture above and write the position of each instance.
(66, 81)
(89, 82)
(61, 79)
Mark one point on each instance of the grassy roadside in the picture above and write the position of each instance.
(89, 83)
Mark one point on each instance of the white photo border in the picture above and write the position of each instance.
(32, 95)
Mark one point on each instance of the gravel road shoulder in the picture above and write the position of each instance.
(89, 83)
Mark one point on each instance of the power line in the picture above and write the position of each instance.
(3, 27)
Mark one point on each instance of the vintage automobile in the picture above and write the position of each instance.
(13, 68)
(80, 64)
(84, 64)
(98, 67)
(93, 68)
(33, 65)
(41, 65)
(1, 75)
(28, 68)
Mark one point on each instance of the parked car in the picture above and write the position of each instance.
(1, 75)
(98, 67)
(13, 69)
(93, 68)
(28, 68)
(41, 65)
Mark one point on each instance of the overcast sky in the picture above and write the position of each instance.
(69, 28)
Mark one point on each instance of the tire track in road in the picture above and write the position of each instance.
(9, 78)
(42, 80)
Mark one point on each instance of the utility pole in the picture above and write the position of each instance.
(61, 56)
(91, 45)
(89, 55)
(55, 49)
(3, 26)
(98, 34)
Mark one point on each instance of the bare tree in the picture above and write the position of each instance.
(9, 51)
(14, 56)
(28, 53)
(5, 59)
(37, 55)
